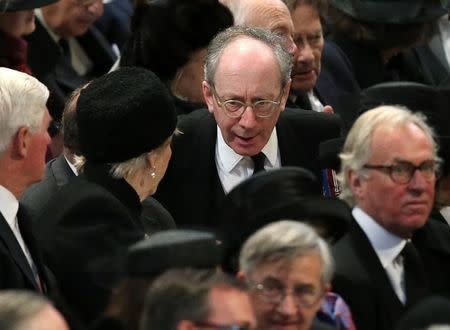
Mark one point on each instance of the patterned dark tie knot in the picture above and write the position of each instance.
(258, 162)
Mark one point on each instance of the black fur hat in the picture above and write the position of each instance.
(165, 33)
(124, 114)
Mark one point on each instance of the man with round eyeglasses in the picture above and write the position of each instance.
(245, 129)
(392, 257)
(288, 268)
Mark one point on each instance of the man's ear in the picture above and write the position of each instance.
(286, 91)
(208, 96)
(21, 142)
(186, 325)
(355, 182)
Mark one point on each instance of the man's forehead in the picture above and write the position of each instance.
(243, 52)
(389, 140)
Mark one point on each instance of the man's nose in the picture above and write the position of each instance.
(287, 305)
(418, 181)
(248, 118)
(305, 53)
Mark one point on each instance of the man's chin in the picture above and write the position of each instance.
(301, 86)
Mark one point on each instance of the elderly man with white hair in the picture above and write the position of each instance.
(24, 120)
(392, 257)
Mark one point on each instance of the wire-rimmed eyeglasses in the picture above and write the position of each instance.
(236, 108)
(403, 171)
(275, 292)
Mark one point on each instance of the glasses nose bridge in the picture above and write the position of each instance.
(288, 300)
(414, 177)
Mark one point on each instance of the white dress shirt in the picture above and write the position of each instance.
(387, 247)
(445, 212)
(316, 105)
(233, 168)
(9, 206)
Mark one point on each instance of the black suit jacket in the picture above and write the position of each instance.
(15, 271)
(370, 69)
(84, 232)
(337, 85)
(362, 281)
(58, 173)
(48, 65)
(191, 189)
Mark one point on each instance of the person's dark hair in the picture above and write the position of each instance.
(183, 294)
(378, 35)
(166, 32)
(320, 5)
(69, 123)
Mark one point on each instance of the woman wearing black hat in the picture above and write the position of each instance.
(16, 21)
(378, 36)
(170, 38)
(125, 123)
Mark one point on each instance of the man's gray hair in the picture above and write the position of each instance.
(19, 307)
(226, 37)
(284, 241)
(357, 147)
(22, 104)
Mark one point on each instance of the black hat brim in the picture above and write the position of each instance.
(391, 12)
(18, 5)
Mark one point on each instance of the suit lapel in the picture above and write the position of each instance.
(212, 186)
(61, 171)
(9, 239)
(290, 152)
(98, 50)
(30, 241)
(387, 298)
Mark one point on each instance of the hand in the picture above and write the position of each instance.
(328, 109)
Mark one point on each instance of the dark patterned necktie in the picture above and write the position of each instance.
(65, 49)
(416, 286)
(258, 162)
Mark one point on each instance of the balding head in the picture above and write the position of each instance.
(269, 14)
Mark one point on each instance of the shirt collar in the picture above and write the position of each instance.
(230, 159)
(72, 167)
(386, 245)
(9, 206)
(41, 19)
(445, 212)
